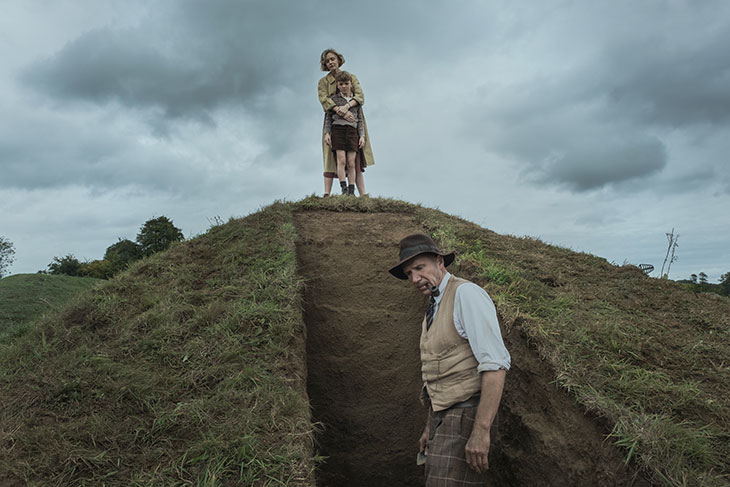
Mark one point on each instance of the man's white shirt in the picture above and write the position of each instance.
(475, 319)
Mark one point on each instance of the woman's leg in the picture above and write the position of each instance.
(360, 180)
(327, 185)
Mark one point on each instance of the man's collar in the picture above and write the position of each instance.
(442, 286)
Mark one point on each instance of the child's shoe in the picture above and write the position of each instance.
(351, 189)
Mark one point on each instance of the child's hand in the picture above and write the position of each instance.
(361, 142)
(328, 140)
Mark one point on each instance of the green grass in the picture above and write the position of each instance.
(24, 297)
(184, 370)
(188, 369)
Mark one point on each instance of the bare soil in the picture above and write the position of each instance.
(363, 364)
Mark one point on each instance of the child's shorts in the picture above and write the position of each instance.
(344, 137)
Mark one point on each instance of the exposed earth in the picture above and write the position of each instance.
(363, 329)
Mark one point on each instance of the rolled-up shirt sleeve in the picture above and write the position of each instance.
(475, 318)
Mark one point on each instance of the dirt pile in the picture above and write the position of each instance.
(364, 379)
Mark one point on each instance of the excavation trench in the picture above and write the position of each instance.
(364, 373)
(362, 348)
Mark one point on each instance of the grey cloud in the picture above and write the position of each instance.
(190, 61)
(186, 59)
(570, 142)
(590, 166)
(674, 86)
(582, 128)
(189, 58)
(36, 154)
(103, 65)
(609, 119)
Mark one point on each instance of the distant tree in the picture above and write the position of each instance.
(725, 284)
(68, 265)
(100, 269)
(7, 255)
(693, 278)
(158, 234)
(703, 278)
(121, 254)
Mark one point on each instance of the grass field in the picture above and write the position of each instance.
(189, 368)
(24, 297)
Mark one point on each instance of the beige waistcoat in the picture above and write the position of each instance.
(448, 366)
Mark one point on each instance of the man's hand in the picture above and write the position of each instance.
(328, 140)
(423, 441)
(349, 116)
(477, 450)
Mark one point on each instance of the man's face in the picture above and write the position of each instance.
(425, 269)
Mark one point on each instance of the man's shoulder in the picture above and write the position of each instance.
(460, 281)
(466, 287)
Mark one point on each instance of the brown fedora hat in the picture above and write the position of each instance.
(414, 245)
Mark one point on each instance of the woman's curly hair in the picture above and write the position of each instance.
(340, 58)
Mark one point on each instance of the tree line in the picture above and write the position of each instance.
(699, 283)
(157, 234)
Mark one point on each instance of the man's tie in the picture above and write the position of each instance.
(430, 311)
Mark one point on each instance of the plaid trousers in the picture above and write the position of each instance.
(446, 461)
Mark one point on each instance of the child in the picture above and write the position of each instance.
(345, 138)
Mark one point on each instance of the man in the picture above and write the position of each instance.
(463, 365)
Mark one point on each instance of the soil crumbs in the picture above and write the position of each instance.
(363, 328)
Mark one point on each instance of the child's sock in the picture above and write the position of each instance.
(343, 187)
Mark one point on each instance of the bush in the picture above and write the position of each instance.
(67, 265)
(121, 254)
(158, 234)
(100, 269)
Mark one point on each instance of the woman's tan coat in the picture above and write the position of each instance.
(325, 89)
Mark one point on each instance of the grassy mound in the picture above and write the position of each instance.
(24, 297)
(186, 369)
(190, 367)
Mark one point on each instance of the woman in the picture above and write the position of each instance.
(331, 61)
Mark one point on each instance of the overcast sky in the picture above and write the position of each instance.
(597, 126)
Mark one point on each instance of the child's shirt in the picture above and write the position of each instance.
(331, 118)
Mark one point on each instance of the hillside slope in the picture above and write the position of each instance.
(186, 369)
(24, 297)
(199, 365)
